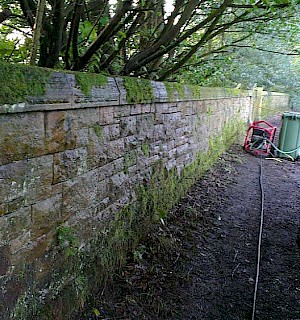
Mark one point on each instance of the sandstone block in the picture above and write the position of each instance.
(82, 138)
(106, 115)
(12, 180)
(111, 132)
(13, 226)
(136, 109)
(82, 193)
(128, 126)
(115, 149)
(46, 215)
(4, 260)
(122, 111)
(96, 150)
(21, 136)
(145, 126)
(61, 130)
(69, 164)
(87, 117)
(105, 171)
(39, 177)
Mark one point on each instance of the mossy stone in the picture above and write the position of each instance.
(87, 81)
(138, 90)
(21, 82)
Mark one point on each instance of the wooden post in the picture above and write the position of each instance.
(257, 102)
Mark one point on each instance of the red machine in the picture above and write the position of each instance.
(259, 136)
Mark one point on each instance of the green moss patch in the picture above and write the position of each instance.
(19, 82)
(87, 81)
(171, 87)
(138, 90)
(98, 130)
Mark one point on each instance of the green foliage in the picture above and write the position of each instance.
(67, 240)
(146, 149)
(12, 51)
(22, 82)
(268, 59)
(98, 130)
(87, 31)
(138, 90)
(87, 81)
(110, 40)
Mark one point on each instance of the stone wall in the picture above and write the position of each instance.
(274, 102)
(83, 173)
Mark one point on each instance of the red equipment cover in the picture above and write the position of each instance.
(259, 135)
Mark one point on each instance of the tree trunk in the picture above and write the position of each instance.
(5, 14)
(56, 34)
(37, 30)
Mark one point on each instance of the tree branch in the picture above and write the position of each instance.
(106, 33)
(28, 7)
(266, 50)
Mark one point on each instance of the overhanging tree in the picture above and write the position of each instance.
(137, 38)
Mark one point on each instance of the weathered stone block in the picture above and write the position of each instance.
(159, 90)
(69, 164)
(4, 260)
(118, 165)
(122, 111)
(21, 136)
(98, 95)
(82, 138)
(46, 215)
(111, 132)
(128, 126)
(106, 115)
(3, 209)
(13, 227)
(96, 150)
(130, 158)
(87, 117)
(84, 192)
(115, 149)
(159, 132)
(59, 88)
(12, 180)
(105, 171)
(16, 204)
(146, 108)
(61, 131)
(145, 126)
(130, 142)
(136, 109)
(39, 177)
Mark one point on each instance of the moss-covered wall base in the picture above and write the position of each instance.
(85, 169)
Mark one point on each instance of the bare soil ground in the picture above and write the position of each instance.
(201, 263)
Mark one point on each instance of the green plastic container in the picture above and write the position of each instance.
(289, 137)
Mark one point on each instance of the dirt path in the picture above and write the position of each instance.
(202, 263)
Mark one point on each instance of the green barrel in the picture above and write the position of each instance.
(289, 137)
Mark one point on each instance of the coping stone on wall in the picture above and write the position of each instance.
(63, 92)
(106, 95)
(160, 91)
